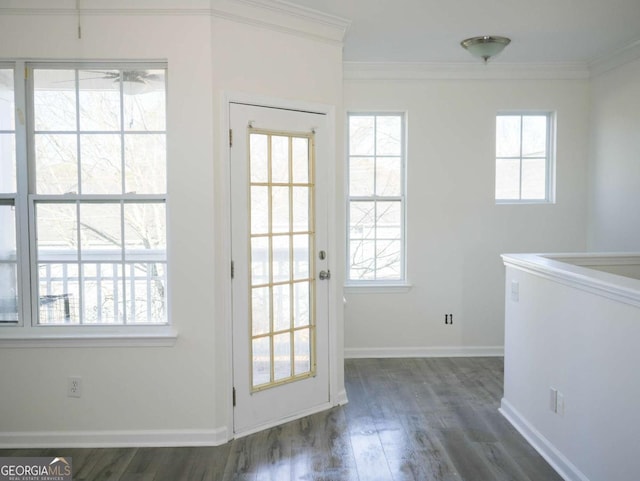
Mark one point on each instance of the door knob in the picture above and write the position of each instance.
(325, 275)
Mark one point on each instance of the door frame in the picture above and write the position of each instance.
(337, 393)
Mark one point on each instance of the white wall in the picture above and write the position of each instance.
(615, 165)
(580, 339)
(180, 394)
(456, 232)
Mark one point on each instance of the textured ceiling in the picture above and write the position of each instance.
(542, 31)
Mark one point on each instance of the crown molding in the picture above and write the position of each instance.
(463, 71)
(277, 15)
(615, 59)
(283, 16)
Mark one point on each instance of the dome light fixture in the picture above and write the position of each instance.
(485, 46)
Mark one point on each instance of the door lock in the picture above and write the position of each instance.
(325, 275)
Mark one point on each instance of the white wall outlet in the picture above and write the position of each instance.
(515, 291)
(560, 404)
(553, 400)
(74, 386)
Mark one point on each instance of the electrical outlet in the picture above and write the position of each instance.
(74, 386)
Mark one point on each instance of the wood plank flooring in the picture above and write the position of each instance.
(406, 420)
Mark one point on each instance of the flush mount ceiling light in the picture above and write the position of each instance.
(486, 46)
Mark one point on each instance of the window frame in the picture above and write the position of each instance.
(27, 332)
(381, 285)
(550, 159)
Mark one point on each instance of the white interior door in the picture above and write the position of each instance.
(280, 281)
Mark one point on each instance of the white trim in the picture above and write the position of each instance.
(435, 351)
(371, 288)
(463, 71)
(337, 395)
(556, 268)
(113, 439)
(88, 339)
(278, 422)
(615, 59)
(341, 398)
(542, 445)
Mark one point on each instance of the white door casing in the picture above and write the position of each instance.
(280, 304)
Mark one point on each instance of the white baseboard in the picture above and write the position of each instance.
(112, 439)
(446, 351)
(548, 451)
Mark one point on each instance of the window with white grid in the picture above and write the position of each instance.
(376, 198)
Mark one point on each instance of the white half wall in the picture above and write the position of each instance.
(614, 216)
(455, 230)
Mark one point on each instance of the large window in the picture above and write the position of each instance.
(524, 157)
(8, 195)
(375, 211)
(95, 188)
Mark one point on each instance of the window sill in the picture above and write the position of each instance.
(165, 337)
(377, 288)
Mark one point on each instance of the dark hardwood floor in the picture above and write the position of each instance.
(406, 420)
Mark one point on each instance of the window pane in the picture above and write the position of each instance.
(145, 231)
(508, 135)
(361, 176)
(301, 304)
(8, 265)
(534, 136)
(280, 257)
(279, 159)
(281, 356)
(101, 164)
(261, 361)
(145, 292)
(301, 256)
(389, 176)
(145, 163)
(388, 260)
(56, 163)
(362, 260)
(57, 231)
(388, 135)
(533, 179)
(361, 135)
(99, 94)
(300, 209)
(7, 102)
(302, 351)
(281, 307)
(100, 232)
(259, 158)
(7, 138)
(300, 160)
(59, 293)
(362, 220)
(8, 163)
(102, 293)
(144, 100)
(260, 308)
(389, 220)
(259, 260)
(54, 99)
(507, 179)
(280, 206)
(8, 248)
(8, 292)
(259, 210)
